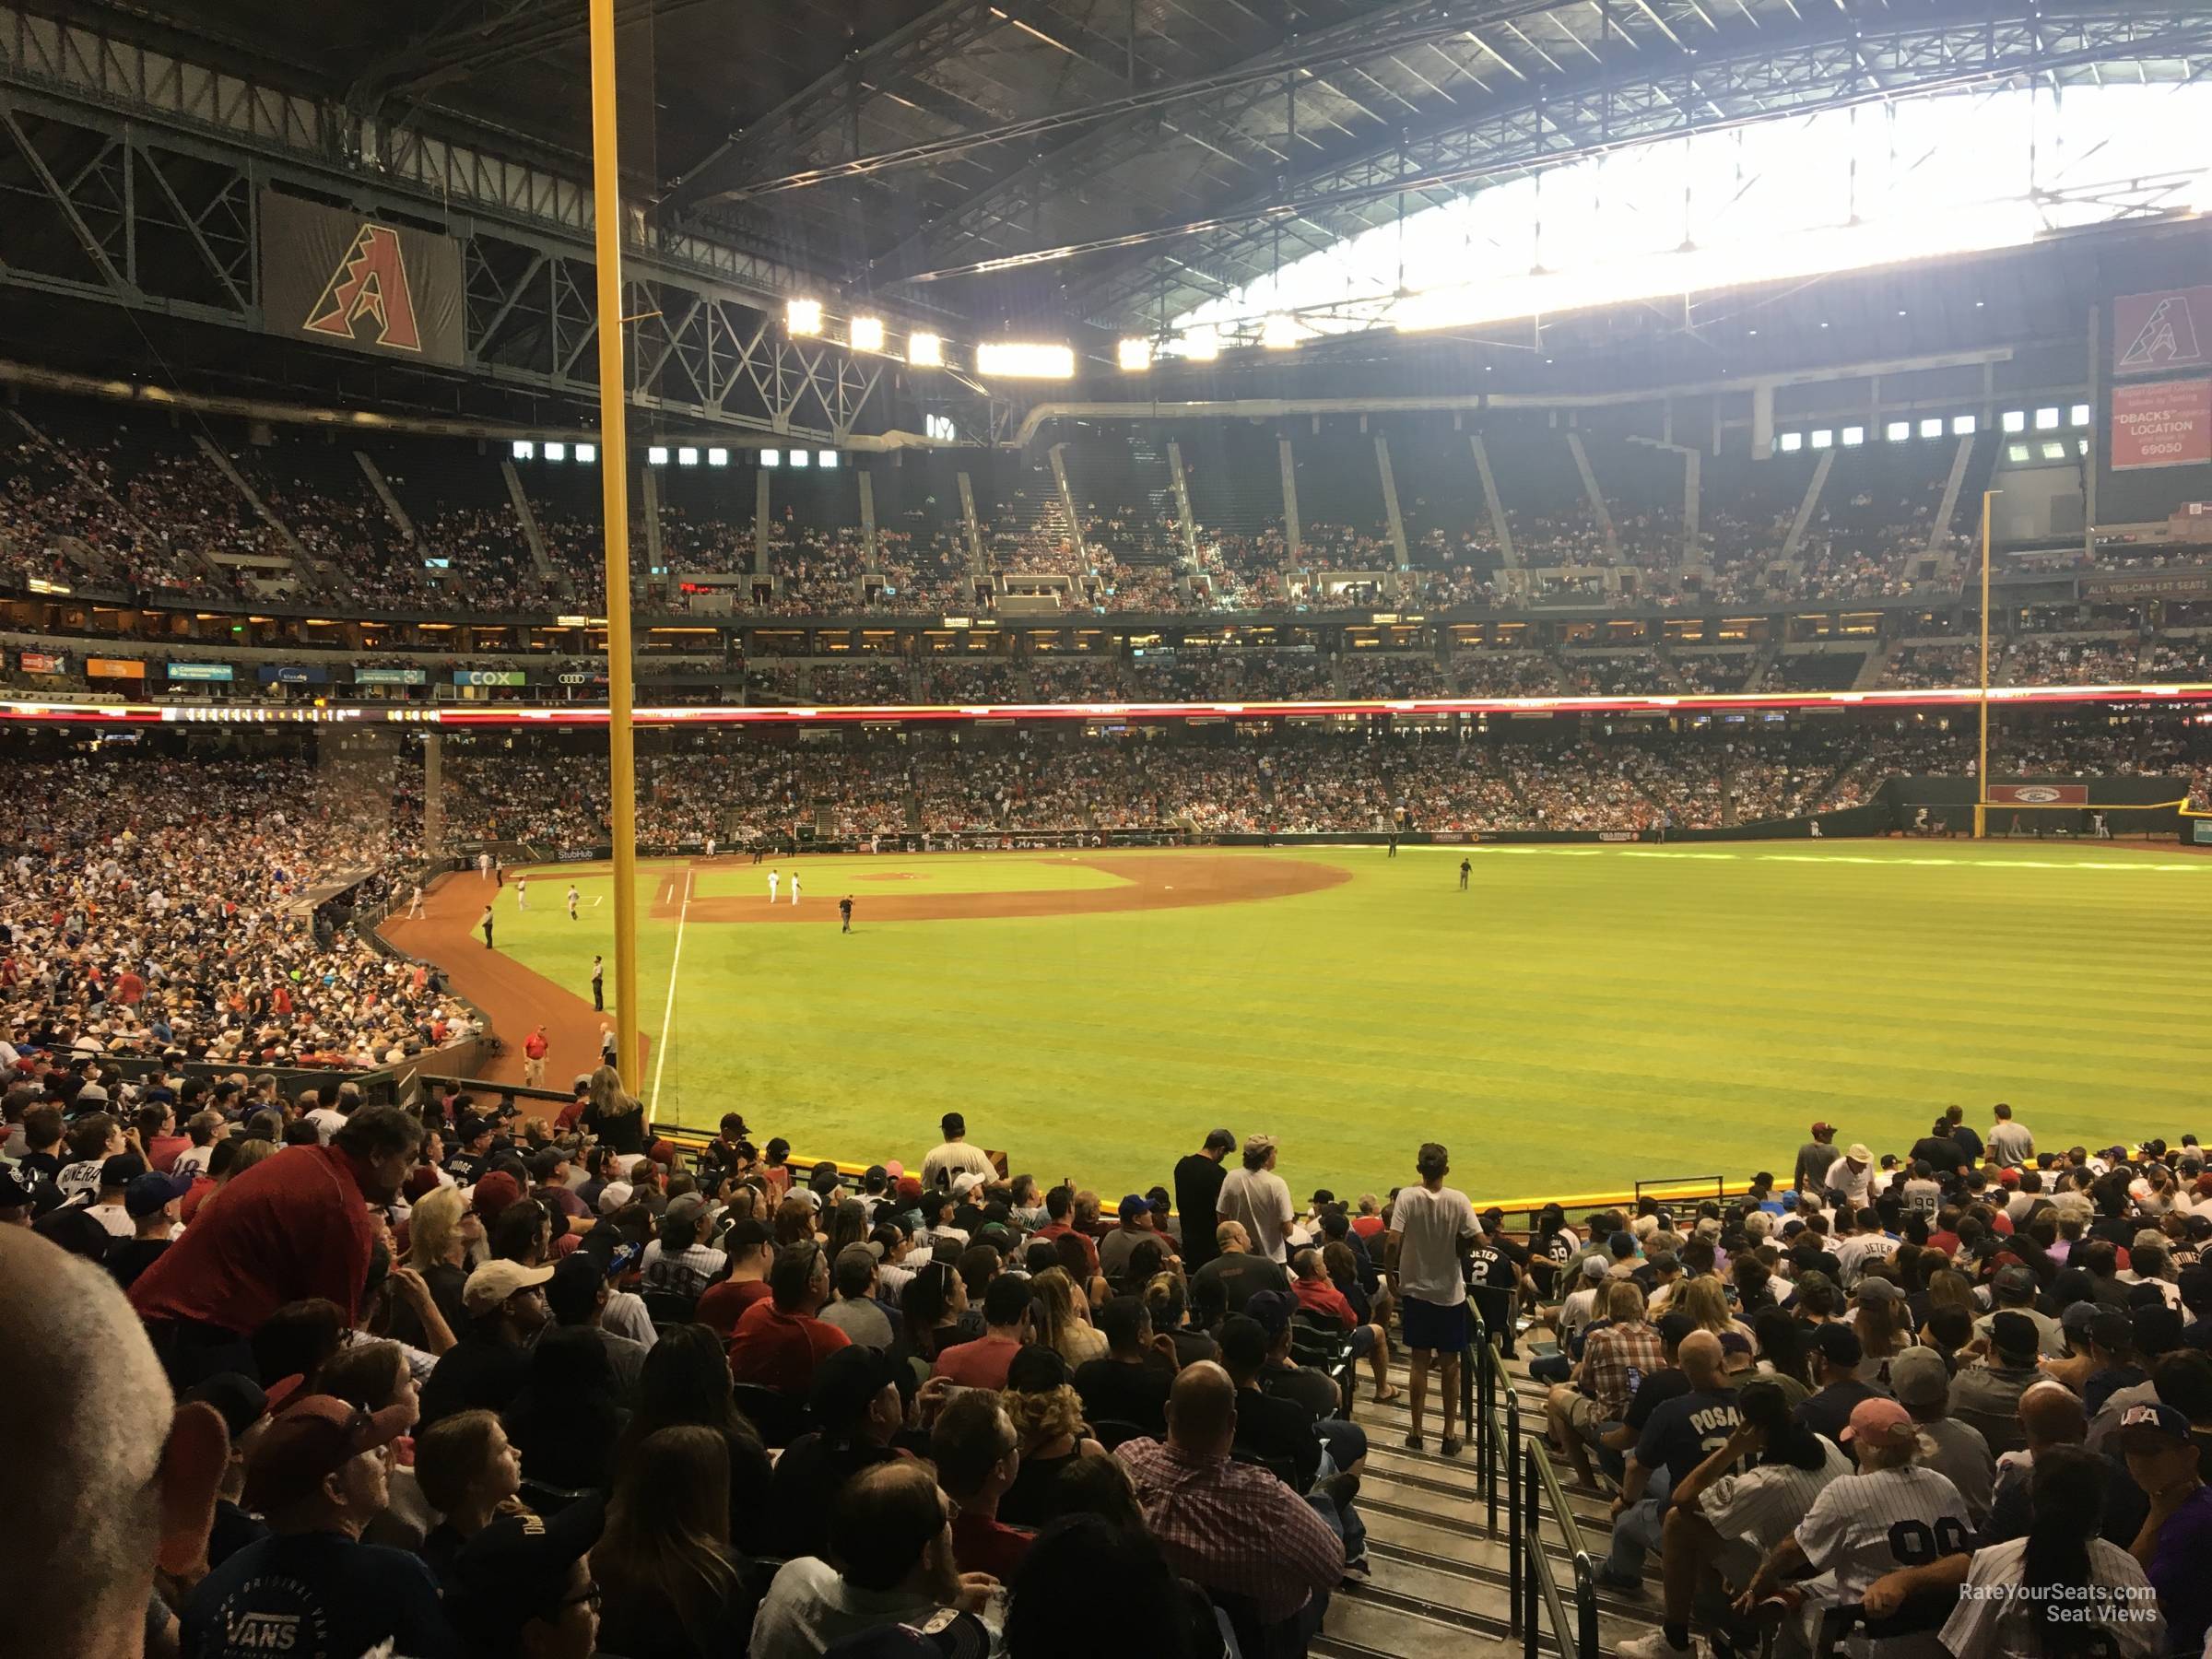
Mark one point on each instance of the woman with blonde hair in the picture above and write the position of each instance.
(249, 1153)
(1059, 1324)
(1706, 1301)
(1047, 1414)
(670, 1584)
(613, 1115)
(1885, 1327)
(437, 1250)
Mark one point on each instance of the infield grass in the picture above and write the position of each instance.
(1581, 1018)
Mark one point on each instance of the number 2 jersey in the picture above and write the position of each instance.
(1875, 1522)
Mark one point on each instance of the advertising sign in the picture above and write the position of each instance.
(199, 671)
(288, 674)
(391, 677)
(488, 676)
(44, 661)
(2038, 795)
(114, 669)
(2162, 423)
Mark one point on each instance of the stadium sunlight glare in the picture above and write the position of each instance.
(1134, 356)
(1021, 359)
(867, 333)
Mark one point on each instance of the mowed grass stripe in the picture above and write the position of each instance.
(1574, 1021)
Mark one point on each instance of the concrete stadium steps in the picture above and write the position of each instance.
(1440, 1581)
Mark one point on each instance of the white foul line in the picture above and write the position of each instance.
(660, 1061)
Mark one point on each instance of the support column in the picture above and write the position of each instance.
(1693, 486)
(976, 530)
(1502, 528)
(650, 481)
(1183, 502)
(1391, 514)
(761, 522)
(1290, 531)
(867, 515)
(433, 794)
(1068, 497)
(1595, 496)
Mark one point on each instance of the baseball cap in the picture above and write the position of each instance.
(2141, 1423)
(494, 1282)
(314, 1439)
(1735, 1351)
(469, 1125)
(2015, 1284)
(2010, 1177)
(845, 1381)
(2075, 1320)
(1822, 1130)
(1857, 1153)
(121, 1169)
(615, 1196)
(1837, 1344)
(1134, 1206)
(966, 1181)
(2013, 1334)
(517, 1568)
(1879, 1423)
(685, 1208)
(910, 1188)
(1919, 1377)
(151, 1193)
(1273, 1308)
(1593, 1267)
(493, 1194)
(239, 1400)
(1876, 1288)
(14, 1194)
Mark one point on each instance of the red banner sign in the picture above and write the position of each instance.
(2156, 333)
(45, 661)
(2038, 795)
(2164, 423)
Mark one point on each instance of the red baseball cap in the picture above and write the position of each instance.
(310, 1440)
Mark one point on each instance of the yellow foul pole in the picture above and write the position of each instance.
(613, 472)
(1981, 766)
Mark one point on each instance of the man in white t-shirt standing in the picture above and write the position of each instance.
(1258, 1200)
(2010, 1144)
(1432, 1226)
(1851, 1175)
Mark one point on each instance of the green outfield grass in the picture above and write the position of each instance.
(1581, 1018)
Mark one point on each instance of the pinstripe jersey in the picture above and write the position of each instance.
(1875, 1522)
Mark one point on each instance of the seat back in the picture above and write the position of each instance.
(781, 1417)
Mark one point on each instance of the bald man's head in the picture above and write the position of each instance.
(1699, 1357)
(122, 1481)
(1202, 1409)
(2052, 1415)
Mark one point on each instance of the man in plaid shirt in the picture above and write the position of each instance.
(1229, 1527)
(1617, 1356)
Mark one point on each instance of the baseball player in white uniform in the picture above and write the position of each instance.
(484, 866)
(574, 897)
(772, 880)
(1890, 1514)
(795, 886)
(415, 904)
(522, 893)
(710, 846)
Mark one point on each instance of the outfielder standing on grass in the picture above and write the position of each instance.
(522, 893)
(1466, 868)
(844, 911)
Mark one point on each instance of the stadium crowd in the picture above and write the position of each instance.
(458, 1381)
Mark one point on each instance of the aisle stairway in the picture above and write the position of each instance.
(1440, 1581)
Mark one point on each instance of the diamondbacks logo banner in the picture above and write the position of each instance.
(341, 279)
(2155, 334)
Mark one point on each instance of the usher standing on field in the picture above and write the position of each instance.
(1465, 869)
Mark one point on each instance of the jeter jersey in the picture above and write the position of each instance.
(1876, 1520)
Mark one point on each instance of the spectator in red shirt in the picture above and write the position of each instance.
(983, 1363)
(1059, 1206)
(752, 1251)
(1316, 1295)
(1368, 1223)
(978, 1454)
(157, 1134)
(534, 1058)
(293, 1227)
(779, 1341)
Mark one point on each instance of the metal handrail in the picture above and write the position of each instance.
(1530, 1483)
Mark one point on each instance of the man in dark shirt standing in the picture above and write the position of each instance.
(1198, 1180)
(1968, 1137)
(1940, 1149)
(1813, 1158)
(844, 911)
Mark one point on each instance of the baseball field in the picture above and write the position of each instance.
(1577, 1018)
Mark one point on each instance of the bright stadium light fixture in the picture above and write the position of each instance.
(867, 333)
(801, 458)
(804, 317)
(2015, 420)
(1134, 356)
(588, 454)
(1931, 427)
(1853, 436)
(825, 459)
(718, 457)
(1897, 431)
(2080, 416)
(557, 451)
(657, 455)
(1279, 333)
(2046, 420)
(524, 449)
(1020, 359)
(771, 458)
(687, 456)
(1963, 426)
(1791, 442)
(1201, 345)
(924, 352)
